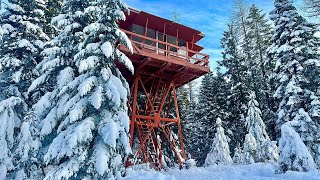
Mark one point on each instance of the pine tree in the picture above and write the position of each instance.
(249, 149)
(294, 155)
(52, 10)
(192, 133)
(312, 8)
(238, 156)
(260, 35)
(237, 89)
(239, 18)
(183, 103)
(219, 153)
(206, 113)
(83, 112)
(264, 149)
(199, 131)
(22, 42)
(294, 50)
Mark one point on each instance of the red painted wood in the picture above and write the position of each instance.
(158, 72)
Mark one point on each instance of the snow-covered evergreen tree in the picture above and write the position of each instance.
(312, 7)
(238, 156)
(22, 42)
(199, 128)
(52, 10)
(294, 155)
(295, 51)
(308, 131)
(237, 90)
(260, 36)
(206, 114)
(264, 148)
(84, 122)
(249, 149)
(219, 153)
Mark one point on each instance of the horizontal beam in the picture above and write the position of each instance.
(150, 118)
(157, 74)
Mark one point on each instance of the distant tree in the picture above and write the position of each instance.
(199, 118)
(192, 132)
(260, 36)
(239, 16)
(236, 87)
(219, 153)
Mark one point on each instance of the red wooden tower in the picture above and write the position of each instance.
(165, 57)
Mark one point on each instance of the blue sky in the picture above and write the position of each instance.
(208, 16)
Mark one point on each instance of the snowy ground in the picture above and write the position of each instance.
(251, 172)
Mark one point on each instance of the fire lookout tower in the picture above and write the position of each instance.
(165, 57)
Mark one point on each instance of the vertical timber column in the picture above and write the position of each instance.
(134, 109)
(179, 121)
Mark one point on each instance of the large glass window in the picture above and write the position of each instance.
(151, 34)
(138, 30)
(162, 37)
(172, 40)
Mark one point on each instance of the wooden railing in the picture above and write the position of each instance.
(168, 50)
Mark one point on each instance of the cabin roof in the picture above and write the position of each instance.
(160, 24)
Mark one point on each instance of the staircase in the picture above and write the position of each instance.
(150, 150)
(158, 96)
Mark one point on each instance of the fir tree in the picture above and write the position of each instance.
(52, 10)
(83, 112)
(294, 155)
(312, 8)
(260, 35)
(199, 132)
(249, 149)
(264, 148)
(238, 156)
(219, 153)
(294, 50)
(22, 42)
(237, 89)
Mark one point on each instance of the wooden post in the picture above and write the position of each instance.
(146, 30)
(134, 109)
(177, 42)
(179, 122)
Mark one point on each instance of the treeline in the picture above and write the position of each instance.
(274, 65)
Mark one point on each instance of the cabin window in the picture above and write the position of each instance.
(151, 34)
(181, 43)
(172, 40)
(162, 37)
(138, 30)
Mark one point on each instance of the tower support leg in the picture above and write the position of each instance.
(152, 122)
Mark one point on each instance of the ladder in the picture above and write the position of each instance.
(150, 151)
